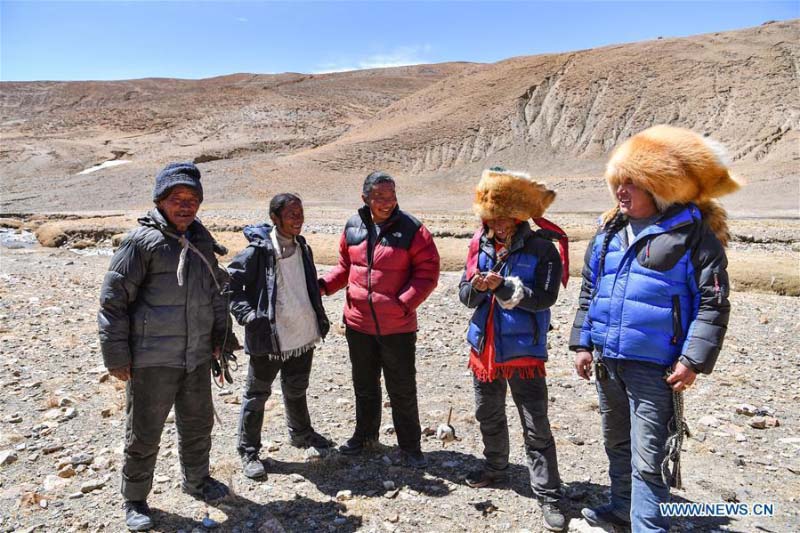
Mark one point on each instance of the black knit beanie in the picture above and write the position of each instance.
(177, 174)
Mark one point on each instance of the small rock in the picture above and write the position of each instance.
(709, 421)
(82, 458)
(66, 401)
(344, 495)
(107, 412)
(312, 454)
(763, 319)
(66, 472)
(746, 409)
(52, 448)
(52, 483)
(75, 495)
(93, 484)
(342, 401)
(296, 478)
(171, 417)
(161, 479)
(740, 437)
(429, 431)
(392, 494)
(16, 418)
(388, 484)
(273, 447)
(574, 439)
(394, 518)
(7, 457)
(388, 429)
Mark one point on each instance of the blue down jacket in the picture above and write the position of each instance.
(662, 297)
(532, 273)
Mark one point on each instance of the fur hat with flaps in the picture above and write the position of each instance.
(675, 166)
(503, 193)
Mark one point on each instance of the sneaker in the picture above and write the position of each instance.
(356, 445)
(484, 477)
(137, 516)
(252, 467)
(209, 490)
(604, 516)
(312, 440)
(554, 519)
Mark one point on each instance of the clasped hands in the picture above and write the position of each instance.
(486, 281)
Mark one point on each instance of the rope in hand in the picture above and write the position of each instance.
(678, 430)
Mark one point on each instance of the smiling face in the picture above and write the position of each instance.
(503, 228)
(634, 201)
(381, 201)
(289, 221)
(180, 206)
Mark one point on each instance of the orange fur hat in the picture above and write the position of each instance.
(503, 193)
(675, 165)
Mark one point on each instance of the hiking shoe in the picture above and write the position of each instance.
(312, 440)
(410, 459)
(554, 519)
(137, 516)
(604, 516)
(208, 490)
(356, 445)
(484, 477)
(252, 467)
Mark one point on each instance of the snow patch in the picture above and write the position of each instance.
(107, 164)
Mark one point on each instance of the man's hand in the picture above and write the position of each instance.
(322, 290)
(478, 282)
(494, 280)
(682, 377)
(583, 364)
(122, 373)
(217, 352)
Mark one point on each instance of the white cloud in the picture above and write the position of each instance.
(399, 57)
(241, 19)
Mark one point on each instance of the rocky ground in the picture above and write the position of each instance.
(62, 425)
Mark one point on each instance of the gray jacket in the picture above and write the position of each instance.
(146, 319)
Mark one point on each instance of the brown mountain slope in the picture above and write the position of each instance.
(435, 126)
(559, 115)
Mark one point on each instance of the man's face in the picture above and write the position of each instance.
(180, 206)
(635, 202)
(290, 221)
(381, 201)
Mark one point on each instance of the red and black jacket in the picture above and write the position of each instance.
(388, 274)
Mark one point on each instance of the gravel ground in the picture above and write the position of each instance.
(62, 426)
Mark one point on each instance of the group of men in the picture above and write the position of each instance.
(652, 314)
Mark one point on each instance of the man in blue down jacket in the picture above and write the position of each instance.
(654, 302)
(161, 318)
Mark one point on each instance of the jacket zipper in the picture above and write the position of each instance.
(370, 258)
(677, 329)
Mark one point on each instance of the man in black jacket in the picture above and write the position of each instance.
(162, 317)
(275, 296)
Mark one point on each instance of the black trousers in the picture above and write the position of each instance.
(530, 397)
(395, 355)
(151, 392)
(294, 384)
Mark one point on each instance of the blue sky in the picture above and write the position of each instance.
(123, 40)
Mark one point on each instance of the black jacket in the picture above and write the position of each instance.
(146, 318)
(254, 290)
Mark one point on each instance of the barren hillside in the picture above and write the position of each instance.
(435, 126)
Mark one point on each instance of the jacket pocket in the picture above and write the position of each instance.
(677, 328)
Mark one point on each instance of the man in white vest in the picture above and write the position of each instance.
(275, 296)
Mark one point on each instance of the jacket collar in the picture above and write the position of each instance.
(676, 216)
(156, 219)
(366, 215)
(521, 235)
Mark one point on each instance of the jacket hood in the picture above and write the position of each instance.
(257, 233)
(712, 213)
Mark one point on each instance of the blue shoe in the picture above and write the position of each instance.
(604, 516)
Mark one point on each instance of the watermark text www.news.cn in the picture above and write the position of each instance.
(721, 509)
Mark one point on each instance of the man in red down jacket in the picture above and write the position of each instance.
(390, 265)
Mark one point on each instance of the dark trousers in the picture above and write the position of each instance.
(530, 397)
(395, 355)
(151, 393)
(294, 384)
